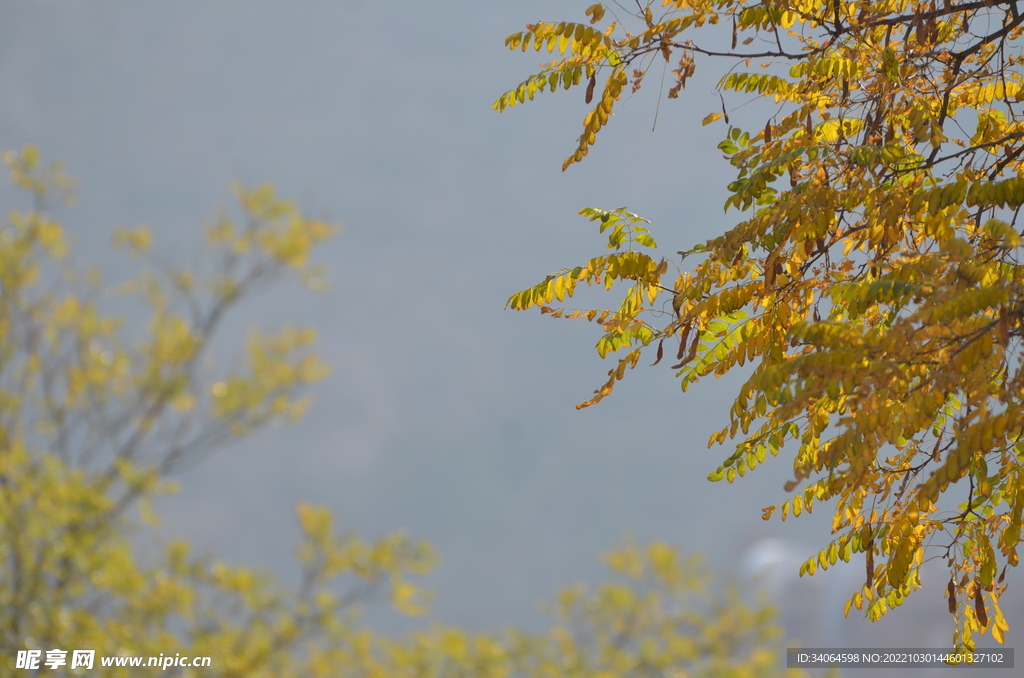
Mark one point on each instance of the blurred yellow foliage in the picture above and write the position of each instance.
(96, 411)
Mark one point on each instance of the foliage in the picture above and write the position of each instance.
(93, 419)
(94, 415)
(657, 617)
(71, 581)
(873, 279)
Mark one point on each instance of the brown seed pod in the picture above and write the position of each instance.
(979, 608)
(682, 341)
(661, 352)
(869, 565)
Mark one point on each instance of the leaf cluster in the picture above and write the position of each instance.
(873, 277)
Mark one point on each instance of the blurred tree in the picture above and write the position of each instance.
(95, 414)
(658, 616)
(877, 293)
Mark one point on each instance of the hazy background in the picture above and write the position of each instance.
(445, 414)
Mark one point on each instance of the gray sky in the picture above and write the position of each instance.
(445, 414)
